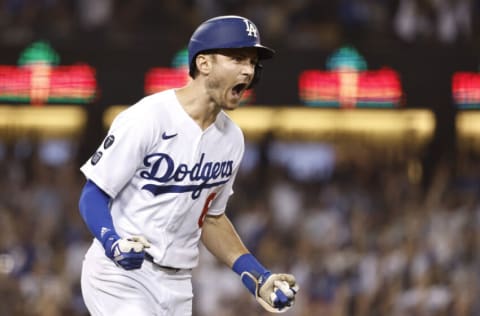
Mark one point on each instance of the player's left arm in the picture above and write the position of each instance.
(274, 291)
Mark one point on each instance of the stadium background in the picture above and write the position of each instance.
(372, 220)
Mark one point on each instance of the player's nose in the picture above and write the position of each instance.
(248, 69)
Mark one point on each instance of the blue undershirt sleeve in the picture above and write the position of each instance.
(94, 209)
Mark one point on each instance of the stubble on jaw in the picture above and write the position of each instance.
(213, 86)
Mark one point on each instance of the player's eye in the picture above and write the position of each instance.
(244, 60)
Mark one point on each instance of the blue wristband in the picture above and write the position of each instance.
(248, 263)
(108, 240)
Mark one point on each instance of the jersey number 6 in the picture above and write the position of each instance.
(206, 206)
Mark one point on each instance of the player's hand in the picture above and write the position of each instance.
(275, 292)
(128, 253)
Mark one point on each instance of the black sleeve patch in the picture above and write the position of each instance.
(108, 141)
(96, 157)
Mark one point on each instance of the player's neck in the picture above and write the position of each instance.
(197, 105)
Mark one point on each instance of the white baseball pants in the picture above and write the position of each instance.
(109, 290)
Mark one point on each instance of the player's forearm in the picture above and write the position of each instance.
(93, 205)
(222, 240)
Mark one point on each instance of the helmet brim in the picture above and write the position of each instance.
(264, 52)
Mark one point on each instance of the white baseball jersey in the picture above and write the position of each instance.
(164, 174)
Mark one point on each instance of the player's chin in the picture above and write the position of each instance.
(231, 103)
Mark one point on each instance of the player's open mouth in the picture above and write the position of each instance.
(239, 88)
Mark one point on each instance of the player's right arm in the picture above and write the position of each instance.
(274, 291)
(94, 204)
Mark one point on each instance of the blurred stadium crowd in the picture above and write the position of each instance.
(367, 238)
(300, 24)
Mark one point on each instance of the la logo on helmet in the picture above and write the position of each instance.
(251, 29)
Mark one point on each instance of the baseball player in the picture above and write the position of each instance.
(160, 181)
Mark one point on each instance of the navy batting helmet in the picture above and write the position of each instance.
(229, 31)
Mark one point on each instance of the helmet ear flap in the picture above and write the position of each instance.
(256, 76)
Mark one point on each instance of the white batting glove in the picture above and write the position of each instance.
(128, 253)
(277, 292)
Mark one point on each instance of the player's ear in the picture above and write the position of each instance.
(203, 63)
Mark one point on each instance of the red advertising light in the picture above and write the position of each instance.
(346, 89)
(38, 80)
(466, 89)
(44, 84)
